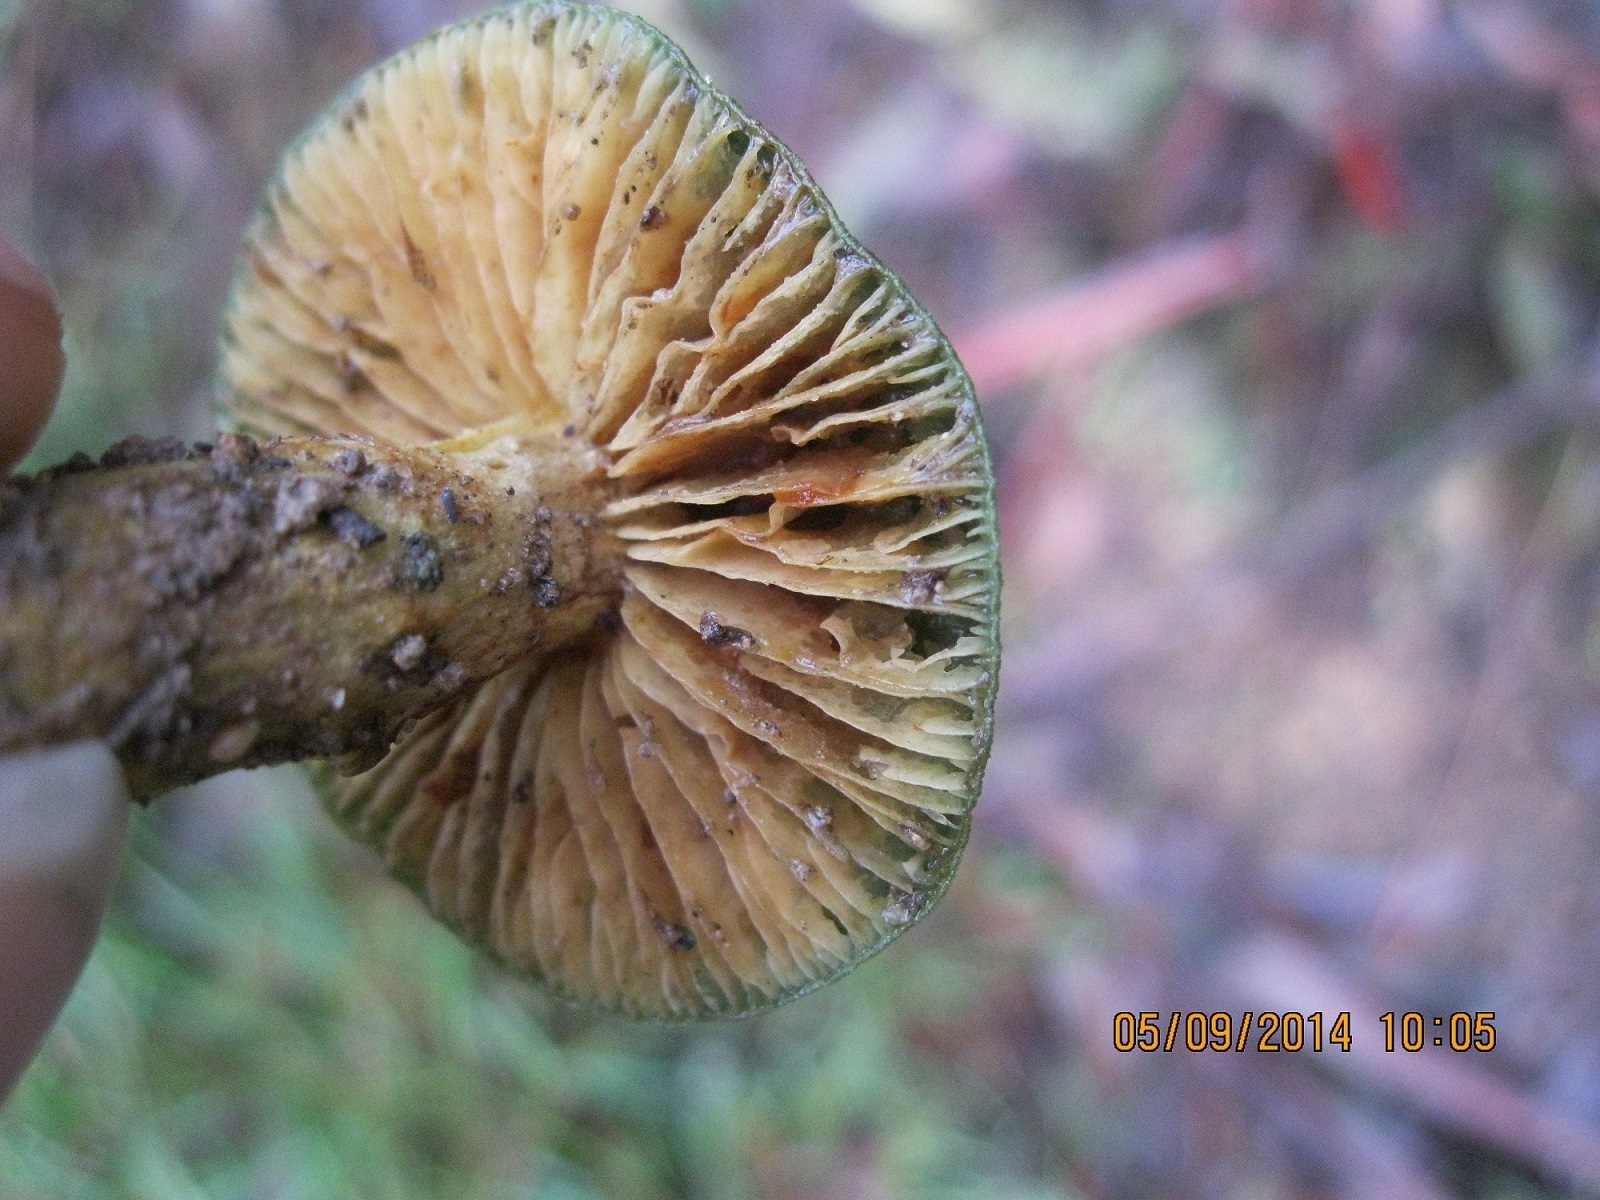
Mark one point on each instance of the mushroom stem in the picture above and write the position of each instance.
(211, 607)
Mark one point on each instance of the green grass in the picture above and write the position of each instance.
(291, 1024)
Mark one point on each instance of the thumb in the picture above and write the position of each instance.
(63, 824)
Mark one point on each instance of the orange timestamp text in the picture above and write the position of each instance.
(1294, 1032)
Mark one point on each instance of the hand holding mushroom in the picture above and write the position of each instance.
(625, 542)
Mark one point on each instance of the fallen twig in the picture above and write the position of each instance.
(1123, 303)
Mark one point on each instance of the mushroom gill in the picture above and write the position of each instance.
(759, 766)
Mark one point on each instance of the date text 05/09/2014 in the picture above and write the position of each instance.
(1294, 1032)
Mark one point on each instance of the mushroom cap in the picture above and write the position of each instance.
(763, 770)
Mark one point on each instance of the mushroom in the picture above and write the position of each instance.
(618, 527)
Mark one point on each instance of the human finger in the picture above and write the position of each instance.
(63, 824)
(30, 348)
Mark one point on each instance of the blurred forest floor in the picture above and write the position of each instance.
(1283, 315)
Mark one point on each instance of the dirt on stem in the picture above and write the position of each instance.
(236, 604)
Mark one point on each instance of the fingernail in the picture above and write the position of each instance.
(18, 271)
(58, 806)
